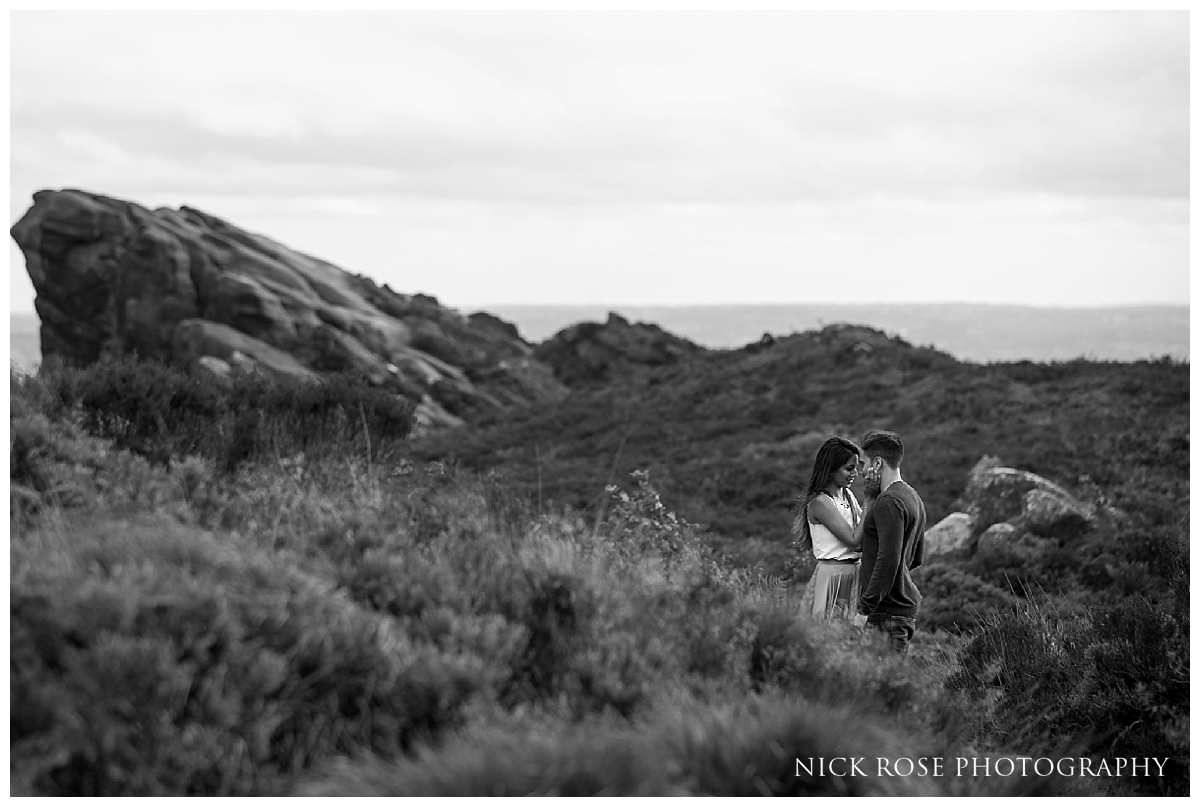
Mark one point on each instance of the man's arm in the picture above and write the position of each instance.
(889, 525)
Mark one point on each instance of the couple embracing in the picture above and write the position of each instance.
(864, 553)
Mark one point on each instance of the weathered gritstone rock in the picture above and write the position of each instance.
(197, 338)
(951, 535)
(996, 493)
(182, 286)
(995, 538)
(1005, 543)
(1050, 514)
(1019, 514)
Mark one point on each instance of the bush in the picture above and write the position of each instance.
(164, 413)
(349, 606)
(956, 600)
(53, 464)
(641, 525)
(152, 659)
(748, 747)
(1114, 680)
(42, 462)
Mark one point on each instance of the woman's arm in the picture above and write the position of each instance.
(822, 510)
(855, 508)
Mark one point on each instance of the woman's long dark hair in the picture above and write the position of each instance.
(833, 454)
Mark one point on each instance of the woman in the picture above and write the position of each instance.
(828, 515)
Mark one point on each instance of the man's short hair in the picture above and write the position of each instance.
(885, 444)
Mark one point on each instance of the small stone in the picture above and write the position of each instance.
(218, 367)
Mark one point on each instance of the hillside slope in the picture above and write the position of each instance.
(299, 609)
(191, 628)
(729, 436)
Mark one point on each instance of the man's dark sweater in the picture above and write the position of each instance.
(893, 543)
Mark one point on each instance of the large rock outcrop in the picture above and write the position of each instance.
(179, 285)
(596, 352)
(1008, 512)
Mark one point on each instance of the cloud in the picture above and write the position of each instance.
(627, 108)
(658, 157)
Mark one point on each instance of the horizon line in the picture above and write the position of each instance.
(776, 304)
(483, 307)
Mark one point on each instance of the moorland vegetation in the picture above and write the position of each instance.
(249, 587)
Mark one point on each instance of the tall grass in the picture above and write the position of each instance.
(1112, 680)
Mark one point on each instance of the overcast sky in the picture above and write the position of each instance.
(636, 157)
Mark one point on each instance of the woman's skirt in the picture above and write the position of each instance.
(835, 590)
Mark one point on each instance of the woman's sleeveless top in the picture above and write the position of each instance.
(826, 546)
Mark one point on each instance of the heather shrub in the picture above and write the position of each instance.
(349, 603)
(781, 650)
(54, 464)
(955, 599)
(407, 585)
(639, 524)
(165, 413)
(1113, 681)
(747, 746)
(1142, 552)
(1138, 699)
(44, 465)
(343, 412)
(837, 664)
(153, 659)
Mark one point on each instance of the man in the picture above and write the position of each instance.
(893, 542)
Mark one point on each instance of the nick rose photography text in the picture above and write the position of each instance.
(980, 766)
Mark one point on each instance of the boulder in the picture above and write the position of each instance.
(183, 286)
(996, 493)
(993, 542)
(950, 536)
(1018, 515)
(1055, 515)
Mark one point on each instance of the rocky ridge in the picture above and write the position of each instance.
(183, 286)
(593, 353)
